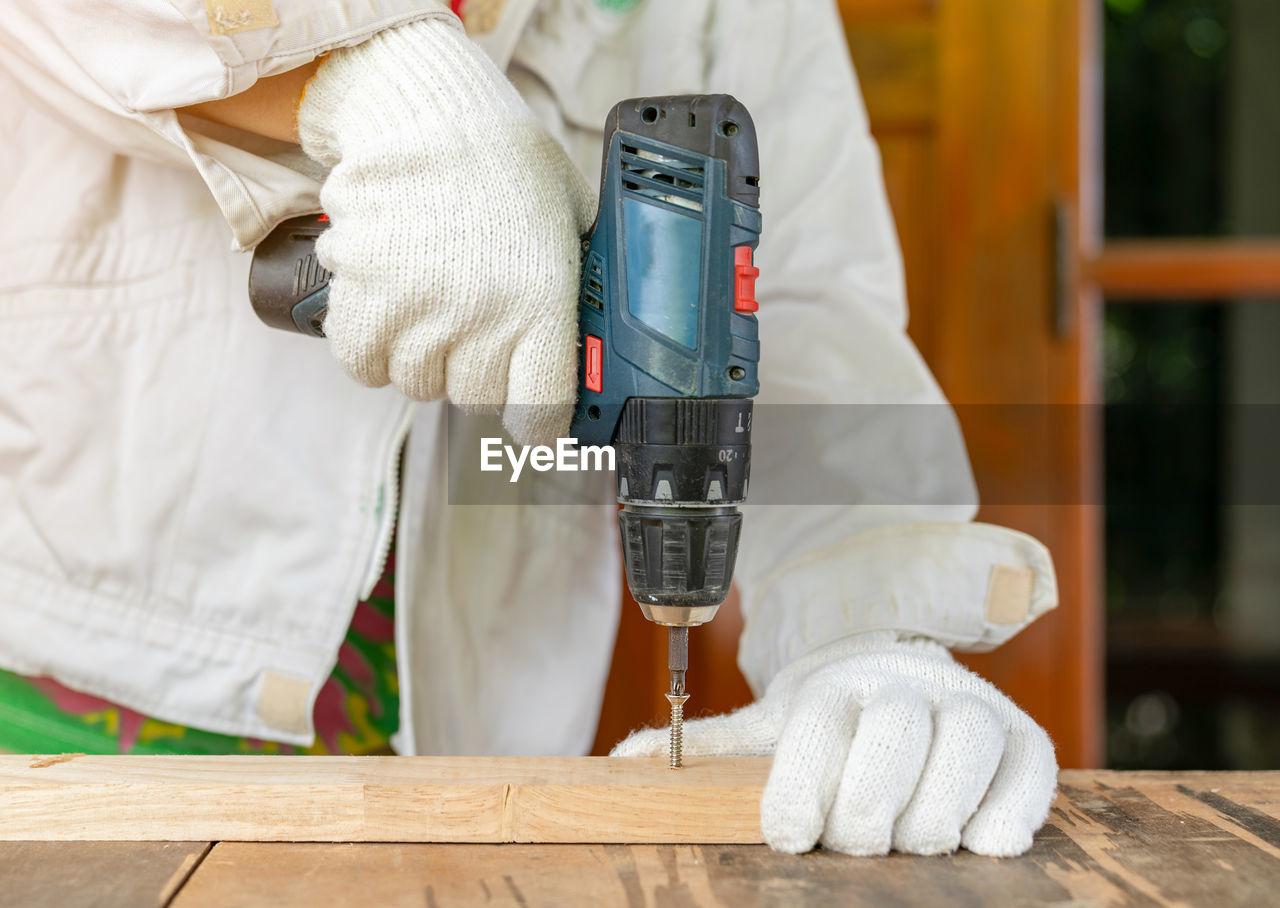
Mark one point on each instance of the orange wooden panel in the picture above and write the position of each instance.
(897, 65)
(975, 106)
(1182, 268)
(1009, 148)
(910, 164)
(871, 10)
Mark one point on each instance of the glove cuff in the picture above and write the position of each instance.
(427, 71)
(970, 586)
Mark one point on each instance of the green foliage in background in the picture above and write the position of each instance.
(1166, 65)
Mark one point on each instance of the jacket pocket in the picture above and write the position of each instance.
(105, 393)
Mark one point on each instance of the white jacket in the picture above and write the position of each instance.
(191, 504)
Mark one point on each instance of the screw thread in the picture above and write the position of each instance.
(677, 729)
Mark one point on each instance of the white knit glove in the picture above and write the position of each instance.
(455, 227)
(881, 743)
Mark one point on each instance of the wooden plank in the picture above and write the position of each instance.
(734, 876)
(380, 799)
(1112, 839)
(1181, 269)
(101, 874)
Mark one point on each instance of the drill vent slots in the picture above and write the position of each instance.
(593, 286)
(663, 177)
(307, 273)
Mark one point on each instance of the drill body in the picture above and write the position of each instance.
(669, 342)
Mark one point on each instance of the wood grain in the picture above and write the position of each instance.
(1112, 839)
(381, 799)
(99, 874)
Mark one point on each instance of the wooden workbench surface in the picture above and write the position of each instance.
(1112, 839)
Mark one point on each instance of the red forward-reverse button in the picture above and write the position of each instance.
(594, 371)
(744, 280)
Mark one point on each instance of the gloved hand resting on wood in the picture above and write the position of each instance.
(882, 742)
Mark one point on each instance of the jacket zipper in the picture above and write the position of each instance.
(390, 492)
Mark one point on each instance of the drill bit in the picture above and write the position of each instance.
(677, 664)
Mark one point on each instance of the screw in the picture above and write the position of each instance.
(677, 728)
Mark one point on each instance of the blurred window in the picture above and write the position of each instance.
(1192, 149)
(1191, 118)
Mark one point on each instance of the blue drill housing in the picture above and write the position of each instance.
(657, 298)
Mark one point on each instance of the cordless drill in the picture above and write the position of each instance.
(669, 345)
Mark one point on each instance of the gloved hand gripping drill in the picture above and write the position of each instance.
(668, 342)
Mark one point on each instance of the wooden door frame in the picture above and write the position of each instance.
(1018, 201)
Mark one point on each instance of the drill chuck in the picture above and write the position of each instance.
(683, 468)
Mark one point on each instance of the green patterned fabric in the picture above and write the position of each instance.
(356, 711)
